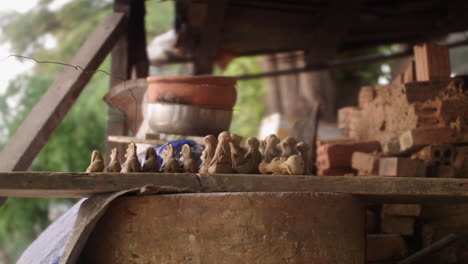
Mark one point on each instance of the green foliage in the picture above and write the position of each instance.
(22, 220)
(160, 18)
(82, 130)
(249, 108)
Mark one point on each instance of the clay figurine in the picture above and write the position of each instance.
(97, 162)
(304, 150)
(288, 147)
(252, 158)
(170, 164)
(294, 165)
(237, 152)
(271, 149)
(131, 164)
(114, 164)
(221, 162)
(210, 146)
(262, 146)
(189, 164)
(151, 161)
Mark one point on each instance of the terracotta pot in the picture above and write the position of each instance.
(210, 91)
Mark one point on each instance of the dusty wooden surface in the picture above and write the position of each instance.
(373, 188)
(217, 228)
(34, 132)
(128, 140)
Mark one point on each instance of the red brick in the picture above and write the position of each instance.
(339, 155)
(432, 62)
(366, 95)
(365, 163)
(401, 167)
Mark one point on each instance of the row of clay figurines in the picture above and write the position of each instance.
(221, 155)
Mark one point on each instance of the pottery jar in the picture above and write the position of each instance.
(208, 91)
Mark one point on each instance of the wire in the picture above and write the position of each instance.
(78, 67)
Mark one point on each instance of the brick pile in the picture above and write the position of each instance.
(416, 126)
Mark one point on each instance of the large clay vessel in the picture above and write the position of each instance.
(206, 91)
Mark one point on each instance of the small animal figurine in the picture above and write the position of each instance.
(151, 161)
(271, 149)
(97, 162)
(207, 155)
(304, 150)
(170, 164)
(288, 147)
(237, 152)
(132, 164)
(189, 164)
(262, 146)
(221, 162)
(114, 164)
(294, 165)
(252, 158)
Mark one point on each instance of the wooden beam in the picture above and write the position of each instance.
(34, 132)
(210, 35)
(138, 56)
(376, 189)
(116, 120)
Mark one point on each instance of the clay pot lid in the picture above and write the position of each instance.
(203, 79)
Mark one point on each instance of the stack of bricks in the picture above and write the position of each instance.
(416, 126)
(334, 157)
(419, 120)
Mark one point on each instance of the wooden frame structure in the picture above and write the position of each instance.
(123, 35)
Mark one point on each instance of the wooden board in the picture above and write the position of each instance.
(375, 189)
(128, 140)
(45, 117)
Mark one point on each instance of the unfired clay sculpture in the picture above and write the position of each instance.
(221, 162)
(114, 164)
(237, 152)
(189, 164)
(252, 158)
(294, 165)
(288, 147)
(131, 164)
(170, 164)
(97, 162)
(271, 149)
(304, 149)
(262, 146)
(207, 155)
(151, 161)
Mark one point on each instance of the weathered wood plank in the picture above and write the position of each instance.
(128, 140)
(45, 117)
(117, 123)
(375, 189)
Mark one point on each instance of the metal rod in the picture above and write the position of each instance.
(425, 252)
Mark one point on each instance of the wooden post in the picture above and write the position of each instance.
(210, 35)
(129, 60)
(116, 120)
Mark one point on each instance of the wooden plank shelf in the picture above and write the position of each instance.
(372, 188)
